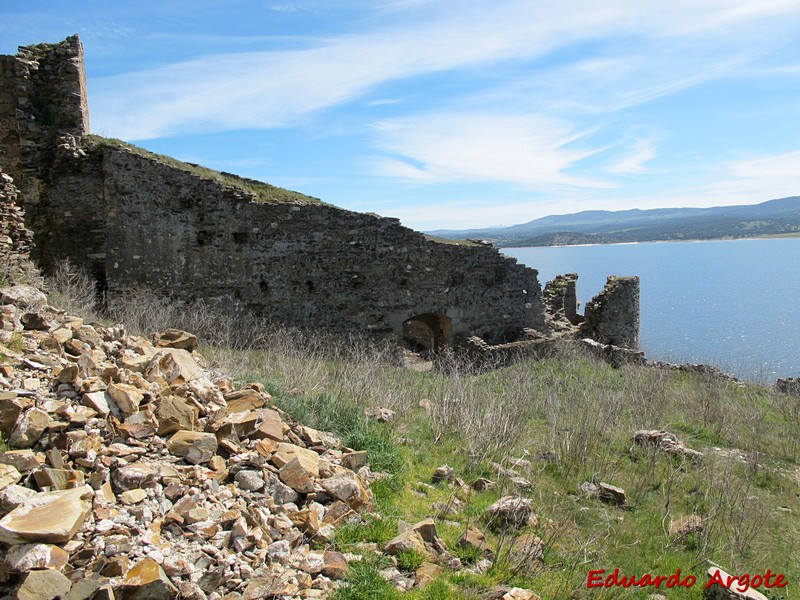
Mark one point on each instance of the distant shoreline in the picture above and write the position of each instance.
(725, 239)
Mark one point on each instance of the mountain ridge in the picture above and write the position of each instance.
(773, 217)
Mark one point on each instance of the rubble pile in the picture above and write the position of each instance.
(665, 442)
(133, 472)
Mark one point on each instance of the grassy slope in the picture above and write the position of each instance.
(579, 410)
(263, 192)
(584, 412)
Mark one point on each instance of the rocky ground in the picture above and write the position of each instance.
(135, 472)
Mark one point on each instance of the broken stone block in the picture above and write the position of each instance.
(278, 491)
(297, 475)
(25, 297)
(135, 475)
(348, 489)
(147, 581)
(243, 400)
(612, 494)
(306, 520)
(271, 586)
(125, 397)
(409, 540)
(12, 496)
(421, 537)
(139, 425)
(271, 429)
(8, 476)
(58, 479)
(29, 428)
(175, 366)
(68, 374)
(208, 395)
(250, 481)
(175, 414)
(10, 409)
(355, 460)
(27, 557)
(474, 538)
(246, 424)
(510, 512)
(47, 517)
(85, 589)
(194, 447)
(176, 338)
(98, 401)
(133, 496)
(308, 458)
(45, 584)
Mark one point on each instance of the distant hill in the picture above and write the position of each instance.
(774, 217)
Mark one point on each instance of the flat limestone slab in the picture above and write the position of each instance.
(47, 517)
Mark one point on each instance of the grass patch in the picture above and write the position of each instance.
(263, 192)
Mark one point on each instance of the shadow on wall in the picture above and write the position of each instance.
(428, 332)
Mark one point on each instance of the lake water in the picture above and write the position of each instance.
(733, 304)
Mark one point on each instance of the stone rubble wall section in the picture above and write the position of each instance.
(305, 265)
(612, 317)
(15, 238)
(561, 301)
(42, 96)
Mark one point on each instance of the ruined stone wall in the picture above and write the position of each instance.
(43, 109)
(10, 160)
(306, 265)
(43, 97)
(15, 238)
(561, 302)
(612, 317)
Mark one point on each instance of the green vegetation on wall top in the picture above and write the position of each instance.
(262, 192)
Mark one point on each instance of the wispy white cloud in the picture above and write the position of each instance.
(524, 150)
(633, 161)
(279, 88)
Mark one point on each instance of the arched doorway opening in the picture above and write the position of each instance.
(427, 332)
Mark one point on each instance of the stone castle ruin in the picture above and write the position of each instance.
(136, 221)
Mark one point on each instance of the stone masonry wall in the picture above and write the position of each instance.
(15, 238)
(43, 109)
(306, 265)
(42, 97)
(612, 317)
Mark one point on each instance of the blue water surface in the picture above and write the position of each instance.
(733, 304)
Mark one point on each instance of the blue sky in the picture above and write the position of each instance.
(452, 114)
